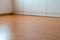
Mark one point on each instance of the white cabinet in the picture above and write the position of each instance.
(53, 8)
(5, 6)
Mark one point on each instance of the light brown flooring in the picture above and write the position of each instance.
(30, 27)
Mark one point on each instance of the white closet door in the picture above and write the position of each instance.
(40, 7)
(53, 8)
(28, 7)
(5, 6)
(19, 5)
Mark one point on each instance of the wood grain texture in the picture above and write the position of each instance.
(31, 27)
(37, 28)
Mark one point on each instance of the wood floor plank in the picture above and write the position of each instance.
(37, 28)
(20, 27)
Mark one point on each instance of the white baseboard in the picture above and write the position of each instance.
(53, 14)
(39, 14)
(31, 13)
(23, 13)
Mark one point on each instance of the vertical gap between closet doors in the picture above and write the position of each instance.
(33, 7)
(46, 7)
(23, 7)
(13, 6)
(46, 10)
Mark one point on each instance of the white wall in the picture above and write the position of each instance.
(18, 5)
(5, 6)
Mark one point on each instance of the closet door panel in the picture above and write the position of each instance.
(19, 5)
(53, 8)
(28, 5)
(40, 7)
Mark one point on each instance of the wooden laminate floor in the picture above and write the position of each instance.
(19, 27)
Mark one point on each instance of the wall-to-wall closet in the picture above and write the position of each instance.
(5, 6)
(38, 7)
(53, 8)
(32, 7)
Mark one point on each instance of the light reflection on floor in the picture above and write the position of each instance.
(4, 32)
(29, 28)
(5, 27)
